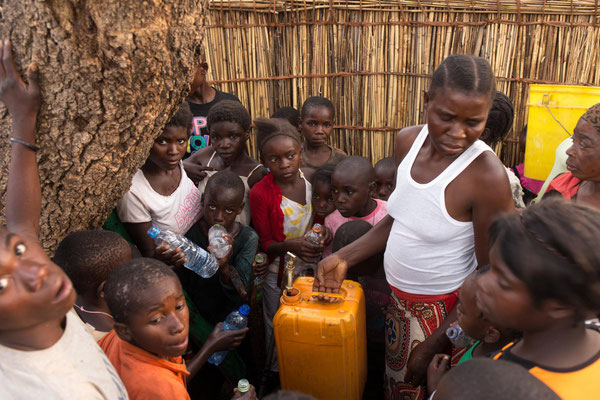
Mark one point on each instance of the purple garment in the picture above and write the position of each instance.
(532, 185)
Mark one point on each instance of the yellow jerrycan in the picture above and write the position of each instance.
(322, 346)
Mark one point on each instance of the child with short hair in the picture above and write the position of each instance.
(229, 126)
(281, 208)
(288, 113)
(353, 182)
(46, 351)
(322, 197)
(88, 257)
(491, 380)
(161, 194)
(222, 202)
(151, 331)
(385, 178)
(489, 338)
(544, 280)
(316, 123)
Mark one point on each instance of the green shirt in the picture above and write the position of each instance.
(469, 354)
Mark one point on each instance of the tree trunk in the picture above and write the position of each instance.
(112, 73)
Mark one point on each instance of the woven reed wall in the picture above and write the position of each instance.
(373, 59)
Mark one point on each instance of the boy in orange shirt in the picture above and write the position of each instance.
(151, 331)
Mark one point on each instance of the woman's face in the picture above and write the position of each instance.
(455, 120)
(33, 290)
(584, 153)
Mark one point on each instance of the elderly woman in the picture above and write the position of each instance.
(582, 182)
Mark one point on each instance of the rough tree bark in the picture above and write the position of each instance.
(112, 73)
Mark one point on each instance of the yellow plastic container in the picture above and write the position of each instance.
(322, 347)
(544, 134)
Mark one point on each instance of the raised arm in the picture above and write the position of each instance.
(23, 194)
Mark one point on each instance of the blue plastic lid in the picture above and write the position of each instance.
(153, 232)
(244, 309)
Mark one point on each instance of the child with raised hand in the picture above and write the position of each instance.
(151, 331)
(229, 126)
(281, 208)
(322, 197)
(161, 194)
(316, 123)
(544, 280)
(88, 258)
(385, 178)
(222, 202)
(45, 351)
(353, 182)
(488, 338)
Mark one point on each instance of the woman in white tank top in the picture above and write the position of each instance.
(449, 187)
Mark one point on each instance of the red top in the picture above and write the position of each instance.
(145, 375)
(565, 184)
(267, 217)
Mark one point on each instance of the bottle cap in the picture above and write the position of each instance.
(317, 228)
(245, 310)
(259, 258)
(153, 232)
(243, 385)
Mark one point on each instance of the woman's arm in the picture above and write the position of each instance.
(332, 270)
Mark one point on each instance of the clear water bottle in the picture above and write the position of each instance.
(315, 235)
(458, 337)
(243, 385)
(198, 260)
(218, 244)
(237, 319)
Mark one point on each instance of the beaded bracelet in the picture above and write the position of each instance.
(30, 146)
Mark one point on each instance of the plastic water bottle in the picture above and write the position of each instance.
(237, 319)
(243, 385)
(218, 244)
(458, 337)
(315, 235)
(198, 260)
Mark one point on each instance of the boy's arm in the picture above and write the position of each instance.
(23, 194)
(245, 257)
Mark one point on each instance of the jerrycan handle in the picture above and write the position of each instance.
(338, 296)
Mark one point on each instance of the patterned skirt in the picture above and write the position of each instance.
(410, 319)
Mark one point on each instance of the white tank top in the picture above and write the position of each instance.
(428, 252)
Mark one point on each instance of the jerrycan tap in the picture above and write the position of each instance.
(288, 272)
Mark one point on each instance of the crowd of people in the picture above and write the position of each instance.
(439, 234)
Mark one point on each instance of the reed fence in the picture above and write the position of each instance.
(374, 59)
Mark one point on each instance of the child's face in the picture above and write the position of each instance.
(160, 326)
(228, 139)
(384, 179)
(281, 155)
(350, 192)
(222, 206)
(470, 317)
(33, 290)
(316, 126)
(455, 120)
(504, 299)
(322, 199)
(168, 149)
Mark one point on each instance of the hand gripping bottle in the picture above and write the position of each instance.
(218, 244)
(198, 260)
(315, 235)
(237, 319)
(458, 337)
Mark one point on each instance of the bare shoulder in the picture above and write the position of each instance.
(404, 141)
(489, 182)
(257, 175)
(488, 169)
(202, 156)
